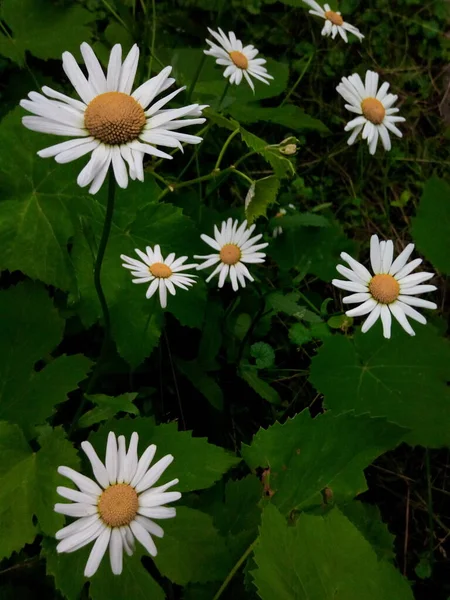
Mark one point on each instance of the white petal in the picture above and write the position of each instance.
(128, 70)
(120, 170)
(414, 279)
(418, 289)
(365, 308)
(151, 499)
(152, 289)
(76, 496)
(81, 481)
(131, 461)
(412, 301)
(387, 257)
(356, 298)
(357, 267)
(76, 526)
(116, 551)
(64, 146)
(386, 320)
(160, 512)
(42, 125)
(76, 153)
(121, 456)
(98, 468)
(76, 510)
(150, 526)
(114, 67)
(154, 473)
(97, 78)
(97, 552)
(81, 538)
(143, 536)
(143, 464)
(399, 314)
(350, 286)
(401, 259)
(411, 312)
(111, 461)
(162, 293)
(77, 79)
(408, 268)
(371, 319)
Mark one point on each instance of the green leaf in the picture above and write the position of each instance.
(281, 165)
(197, 463)
(299, 334)
(36, 198)
(296, 220)
(287, 304)
(290, 116)
(264, 355)
(249, 373)
(192, 550)
(264, 195)
(28, 483)
(367, 519)
(203, 382)
(314, 250)
(107, 407)
(307, 455)
(315, 557)
(66, 569)
(431, 226)
(30, 328)
(135, 582)
(43, 28)
(403, 379)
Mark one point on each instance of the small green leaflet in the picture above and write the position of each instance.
(249, 373)
(289, 115)
(314, 557)
(107, 407)
(264, 355)
(264, 195)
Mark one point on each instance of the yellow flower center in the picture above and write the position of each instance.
(114, 118)
(239, 59)
(373, 110)
(230, 254)
(160, 270)
(118, 505)
(334, 17)
(384, 288)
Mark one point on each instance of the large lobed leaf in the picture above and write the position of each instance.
(403, 379)
(321, 558)
(304, 456)
(31, 328)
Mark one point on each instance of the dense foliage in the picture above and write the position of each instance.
(312, 458)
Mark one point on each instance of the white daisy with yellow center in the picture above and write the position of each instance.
(234, 246)
(119, 506)
(374, 107)
(116, 126)
(391, 290)
(334, 22)
(162, 273)
(240, 61)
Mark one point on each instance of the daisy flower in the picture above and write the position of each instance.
(109, 122)
(334, 23)
(119, 506)
(374, 107)
(163, 273)
(239, 60)
(391, 290)
(234, 247)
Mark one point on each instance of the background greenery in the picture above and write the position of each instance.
(313, 460)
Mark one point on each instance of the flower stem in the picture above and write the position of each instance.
(152, 49)
(224, 147)
(101, 296)
(195, 79)
(233, 571)
(224, 93)
(101, 254)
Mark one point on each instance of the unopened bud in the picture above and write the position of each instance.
(289, 149)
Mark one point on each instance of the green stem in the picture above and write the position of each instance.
(195, 79)
(294, 87)
(224, 93)
(244, 176)
(153, 38)
(430, 505)
(113, 12)
(303, 297)
(233, 571)
(101, 296)
(224, 147)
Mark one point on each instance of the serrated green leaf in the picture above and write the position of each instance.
(30, 329)
(431, 225)
(314, 558)
(43, 28)
(281, 165)
(249, 373)
(367, 519)
(307, 455)
(28, 483)
(203, 382)
(264, 355)
(107, 407)
(36, 197)
(192, 550)
(285, 303)
(197, 463)
(299, 334)
(66, 569)
(264, 195)
(403, 379)
(289, 116)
